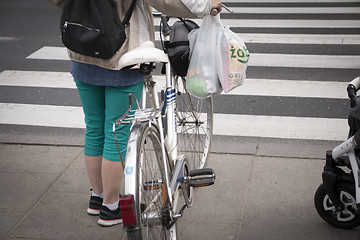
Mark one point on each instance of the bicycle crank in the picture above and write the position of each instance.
(201, 177)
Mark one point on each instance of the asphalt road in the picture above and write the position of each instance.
(29, 26)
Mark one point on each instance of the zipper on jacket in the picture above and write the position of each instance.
(80, 25)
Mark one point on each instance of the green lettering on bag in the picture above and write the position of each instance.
(232, 50)
(240, 54)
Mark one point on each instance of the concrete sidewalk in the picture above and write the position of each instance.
(261, 193)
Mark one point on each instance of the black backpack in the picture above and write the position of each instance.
(93, 27)
(178, 47)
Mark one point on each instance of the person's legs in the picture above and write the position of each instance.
(116, 99)
(93, 167)
(93, 102)
(102, 107)
(112, 173)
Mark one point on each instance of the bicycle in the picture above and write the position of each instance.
(337, 199)
(158, 178)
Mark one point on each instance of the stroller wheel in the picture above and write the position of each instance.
(346, 219)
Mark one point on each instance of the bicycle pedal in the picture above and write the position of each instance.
(202, 177)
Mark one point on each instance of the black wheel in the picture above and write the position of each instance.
(348, 218)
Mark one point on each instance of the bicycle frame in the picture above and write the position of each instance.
(181, 176)
(153, 115)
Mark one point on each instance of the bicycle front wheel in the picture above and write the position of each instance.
(151, 191)
(195, 126)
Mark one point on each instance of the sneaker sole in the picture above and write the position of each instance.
(94, 212)
(108, 223)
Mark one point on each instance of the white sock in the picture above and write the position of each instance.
(97, 195)
(112, 206)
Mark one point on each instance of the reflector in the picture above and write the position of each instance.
(128, 210)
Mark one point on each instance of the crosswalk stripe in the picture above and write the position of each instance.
(348, 39)
(260, 87)
(236, 125)
(37, 79)
(300, 38)
(256, 59)
(280, 23)
(295, 10)
(286, 127)
(41, 115)
(280, 127)
(50, 53)
(292, 88)
(6, 39)
(304, 61)
(290, 1)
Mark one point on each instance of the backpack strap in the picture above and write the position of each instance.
(126, 20)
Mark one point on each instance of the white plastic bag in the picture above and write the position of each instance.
(202, 78)
(233, 57)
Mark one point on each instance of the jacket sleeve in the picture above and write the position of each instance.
(182, 8)
(58, 3)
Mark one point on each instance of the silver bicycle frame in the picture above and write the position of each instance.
(131, 173)
(171, 140)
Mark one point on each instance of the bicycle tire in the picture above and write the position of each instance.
(348, 218)
(194, 136)
(151, 191)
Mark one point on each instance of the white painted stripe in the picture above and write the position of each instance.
(37, 79)
(300, 38)
(256, 59)
(290, 1)
(304, 61)
(50, 53)
(236, 125)
(295, 10)
(292, 88)
(6, 39)
(282, 88)
(343, 39)
(256, 87)
(41, 115)
(280, 127)
(280, 23)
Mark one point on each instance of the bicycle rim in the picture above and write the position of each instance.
(152, 187)
(195, 126)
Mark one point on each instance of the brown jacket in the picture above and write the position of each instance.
(141, 27)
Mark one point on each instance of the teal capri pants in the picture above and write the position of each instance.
(102, 107)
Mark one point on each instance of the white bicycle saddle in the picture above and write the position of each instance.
(145, 53)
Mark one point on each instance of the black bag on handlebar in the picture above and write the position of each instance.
(178, 47)
(93, 28)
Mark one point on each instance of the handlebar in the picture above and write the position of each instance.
(352, 88)
(214, 12)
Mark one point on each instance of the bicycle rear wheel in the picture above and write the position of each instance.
(195, 126)
(151, 191)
